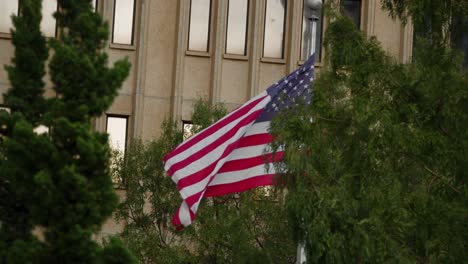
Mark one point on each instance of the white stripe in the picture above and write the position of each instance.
(258, 128)
(212, 156)
(226, 116)
(201, 144)
(236, 176)
(184, 214)
(247, 152)
(240, 175)
(201, 185)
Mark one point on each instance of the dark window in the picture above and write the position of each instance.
(352, 9)
(124, 17)
(275, 23)
(237, 21)
(187, 127)
(459, 35)
(199, 25)
(312, 27)
(7, 9)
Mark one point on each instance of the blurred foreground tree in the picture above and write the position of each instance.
(55, 186)
(380, 175)
(249, 227)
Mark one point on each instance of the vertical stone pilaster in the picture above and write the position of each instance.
(256, 37)
(293, 55)
(406, 48)
(137, 117)
(219, 28)
(182, 32)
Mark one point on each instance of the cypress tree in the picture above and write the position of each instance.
(55, 187)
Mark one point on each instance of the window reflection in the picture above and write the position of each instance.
(94, 3)
(273, 42)
(312, 27)
(7, 8)
(352, 9)
(117, 130)
(199, 27)
(48, 23)
(123, 22)
(236, 37)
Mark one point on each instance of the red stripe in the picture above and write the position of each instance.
(176, 219)
(191, 200)
(212, 129)
(254, 140)
(223, 189)
(242, 164)
(196, 156)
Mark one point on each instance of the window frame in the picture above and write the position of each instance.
(246, 43)
(114, 45)
(206, 53)
(281, 60)
(7, 35)
(127, 118)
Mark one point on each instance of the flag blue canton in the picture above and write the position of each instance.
(290, 91)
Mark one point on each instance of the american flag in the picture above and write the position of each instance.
(230, 155)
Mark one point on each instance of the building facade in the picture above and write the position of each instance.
(220, 50)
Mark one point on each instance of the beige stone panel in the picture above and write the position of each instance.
(234, 82)
(156, 110)
(161, 45)
(197, 76)
(122, 105)
(111, 226)
(387, 31)
(6, 53)
(117, 54)
(269, 74)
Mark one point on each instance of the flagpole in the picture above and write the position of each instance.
(313, 6)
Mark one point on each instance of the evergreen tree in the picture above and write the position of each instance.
(380, 174)
(55, 187)
(248, 227)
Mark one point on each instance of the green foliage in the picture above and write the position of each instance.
(380, 175)
(431, 18)
(55, 187)
(249, 227)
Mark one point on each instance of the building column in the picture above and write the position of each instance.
(256, 46)
(219, 28)
(182, 30)
(137, 117)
